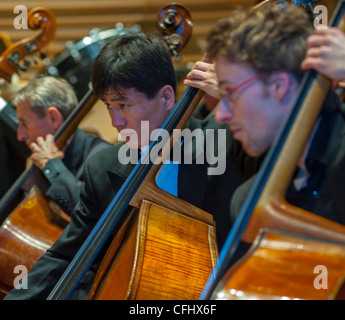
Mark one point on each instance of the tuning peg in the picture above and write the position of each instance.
(22, 67)
(34, 59)
(14, 57)
(31, 47)
(26, 62)
(177, 57)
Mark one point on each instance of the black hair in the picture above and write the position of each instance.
(133, 61)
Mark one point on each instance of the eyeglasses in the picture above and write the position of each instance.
(228, 92)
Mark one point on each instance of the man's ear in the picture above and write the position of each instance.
(280, 83)
(168, 97)
(54, 117)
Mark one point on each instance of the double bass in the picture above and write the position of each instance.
(289, 245)
(14, 60)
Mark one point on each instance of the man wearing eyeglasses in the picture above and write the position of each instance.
(257, 62)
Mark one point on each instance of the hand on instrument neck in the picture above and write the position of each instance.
(44, 150)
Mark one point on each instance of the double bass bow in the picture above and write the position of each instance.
(141, 280)
(293, 240)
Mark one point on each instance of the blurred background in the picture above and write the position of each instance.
(82, 28)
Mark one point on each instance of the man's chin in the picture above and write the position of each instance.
(252, 153)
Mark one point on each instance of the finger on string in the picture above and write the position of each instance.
(315, 41)
(199, 75)
(325, 30)
(200, 65)
(192, 76)
(312, 63)
(314, 52)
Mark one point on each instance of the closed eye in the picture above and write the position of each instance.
(123, 106)
(107, 105)
(23, 123)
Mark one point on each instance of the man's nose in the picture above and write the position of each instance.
(223, 112)
(117, 118)
(21, 133)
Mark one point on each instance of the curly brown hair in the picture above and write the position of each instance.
(265, 39)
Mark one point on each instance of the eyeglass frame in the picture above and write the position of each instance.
(231, 90)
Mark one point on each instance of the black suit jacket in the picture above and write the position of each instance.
(65, 175)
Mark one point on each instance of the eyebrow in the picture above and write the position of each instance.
(22, 117)
(241, 84)
(120, 98)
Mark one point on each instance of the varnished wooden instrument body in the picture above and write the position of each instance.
(158, 254)
(287, 266)
(24, 236)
